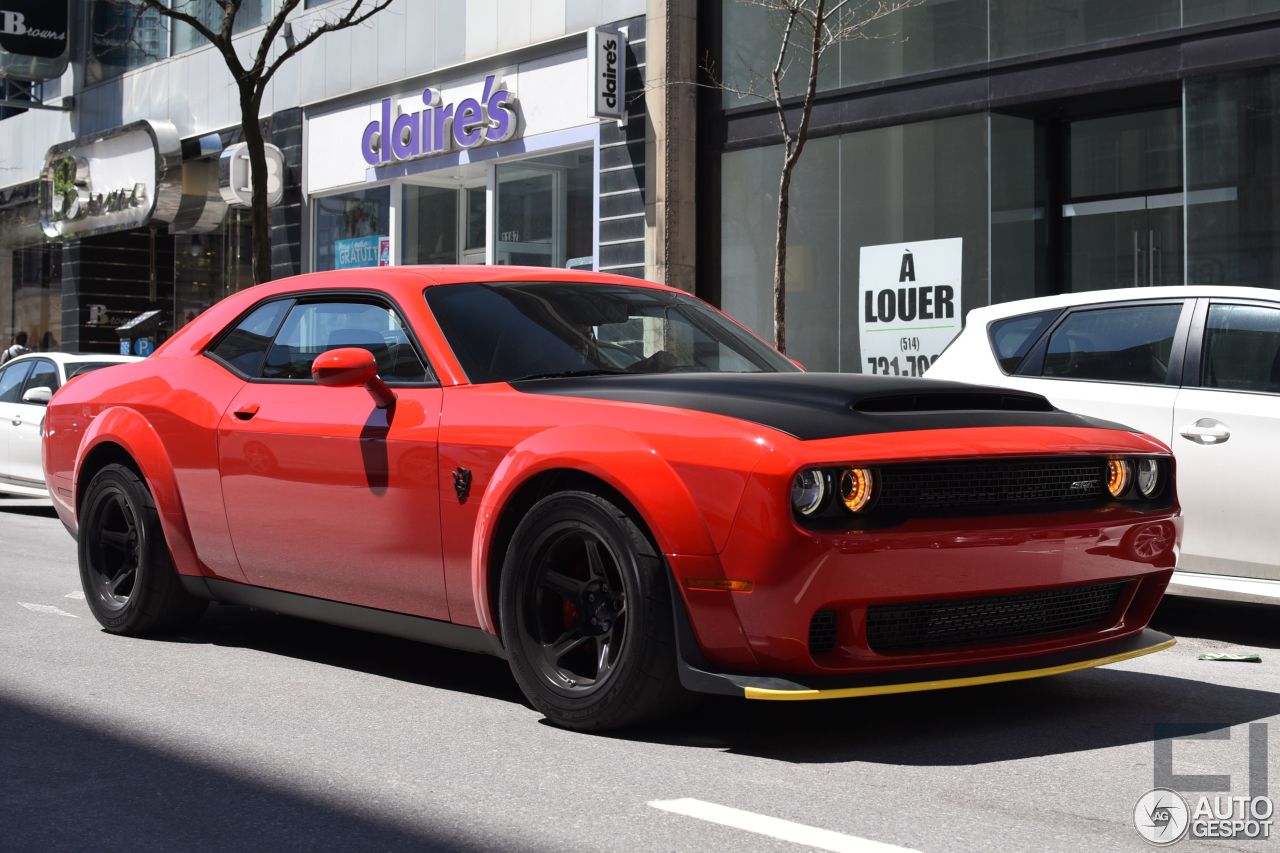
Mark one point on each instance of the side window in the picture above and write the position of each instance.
(1012, 337)
(1242, 348)
(313, 327)
(43, 375)
(11, 381)
(245, 347)
(1130, 343)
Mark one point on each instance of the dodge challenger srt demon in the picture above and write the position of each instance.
(612, 485)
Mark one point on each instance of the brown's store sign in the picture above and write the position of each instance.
(33, 38)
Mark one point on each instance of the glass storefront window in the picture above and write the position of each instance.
(251, 13)
(1206, 11)
(545, 210)
(351, 229)
(919, 182)
(208, 267)
(935, 35)
(124, 37)
(1233, 178)
(1029, 26)
(32, 301)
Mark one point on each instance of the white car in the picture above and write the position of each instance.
(26, 384)
(1198, 367)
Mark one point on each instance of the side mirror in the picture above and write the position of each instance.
(349, 367)
(39, 396)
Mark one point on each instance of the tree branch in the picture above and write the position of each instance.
(348, 19)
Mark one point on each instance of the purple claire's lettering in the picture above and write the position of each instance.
(440, 127)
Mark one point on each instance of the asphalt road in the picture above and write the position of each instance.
(261, 732)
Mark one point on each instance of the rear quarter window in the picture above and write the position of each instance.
(1013, 337)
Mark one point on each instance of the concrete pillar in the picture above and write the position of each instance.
(671, 50)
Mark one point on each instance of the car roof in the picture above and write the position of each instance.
(1123, 294)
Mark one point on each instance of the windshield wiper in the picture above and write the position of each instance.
(566, 374)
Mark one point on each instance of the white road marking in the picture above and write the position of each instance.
(784, 830)
(77, 595)
(46, 608)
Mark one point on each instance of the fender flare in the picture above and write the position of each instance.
(619, 458)
(132, 432)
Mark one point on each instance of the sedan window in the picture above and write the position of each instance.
(1242, 348)
(11, 379)
(1129, 343)
(314, 327)
(43, 375)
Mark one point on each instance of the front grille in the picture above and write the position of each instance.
(971, 621)
(822, 632)
(931, 488)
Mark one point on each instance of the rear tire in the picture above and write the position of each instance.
(125, 569)
(586, 619)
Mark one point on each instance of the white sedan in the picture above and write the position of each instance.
(26, 384)
(1198, 367)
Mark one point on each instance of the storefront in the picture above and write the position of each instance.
(508, 160)
(1013, 150)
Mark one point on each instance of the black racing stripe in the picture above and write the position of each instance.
(812, 406)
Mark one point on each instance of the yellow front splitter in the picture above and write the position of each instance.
(803, 695)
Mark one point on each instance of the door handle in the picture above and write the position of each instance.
(1152, 257)
(1137, 261)
(247, 411)
(1206, 431)
(17, 420)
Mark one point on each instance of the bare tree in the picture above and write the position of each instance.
(251, 76)
(810, 28)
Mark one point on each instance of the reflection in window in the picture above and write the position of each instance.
(124, 37)
(1126, 344)
(1013, 337)
(350, 229)
(545, 211)
(252, 13)
(1029, 26)
(315, 327)
(1242, 348)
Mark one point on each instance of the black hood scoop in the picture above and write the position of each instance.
(812, 406)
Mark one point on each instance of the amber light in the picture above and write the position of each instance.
(1117, 477)
(724, 584)
(856, 485)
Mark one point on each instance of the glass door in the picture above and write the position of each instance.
(1123, 208)
(530, 225)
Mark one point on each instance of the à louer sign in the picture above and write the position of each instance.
(439, 127)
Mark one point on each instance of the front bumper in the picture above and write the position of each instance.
(788, 688)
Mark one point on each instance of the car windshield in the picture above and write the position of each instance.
(536, 330)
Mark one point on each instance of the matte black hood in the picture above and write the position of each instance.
(823, 405)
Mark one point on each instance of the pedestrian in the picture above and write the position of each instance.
(19, 348)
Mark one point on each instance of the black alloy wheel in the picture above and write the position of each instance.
(125, 568)
(585, 613)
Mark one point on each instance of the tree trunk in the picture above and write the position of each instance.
(780, 256)
(255, 143)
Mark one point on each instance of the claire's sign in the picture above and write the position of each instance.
(439, 127)
(908, 304)
(607, 54)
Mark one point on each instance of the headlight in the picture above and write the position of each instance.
(808, 491)
(1117, 477)
(856, 485)
(1148, 477)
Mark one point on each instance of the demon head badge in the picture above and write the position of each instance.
(462, 483)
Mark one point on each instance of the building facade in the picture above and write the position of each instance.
(438, 132)
(1000, 149)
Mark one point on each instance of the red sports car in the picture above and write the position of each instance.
(612, 485)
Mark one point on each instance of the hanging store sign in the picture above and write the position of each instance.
(234, 180)
(112, 182)
(438, 127)
(908, 304)
(607, 55)
(33, 38)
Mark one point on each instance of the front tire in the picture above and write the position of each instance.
(125, 569)
(585, 610)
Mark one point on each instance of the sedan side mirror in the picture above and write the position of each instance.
(351, 366)
(39, 396)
